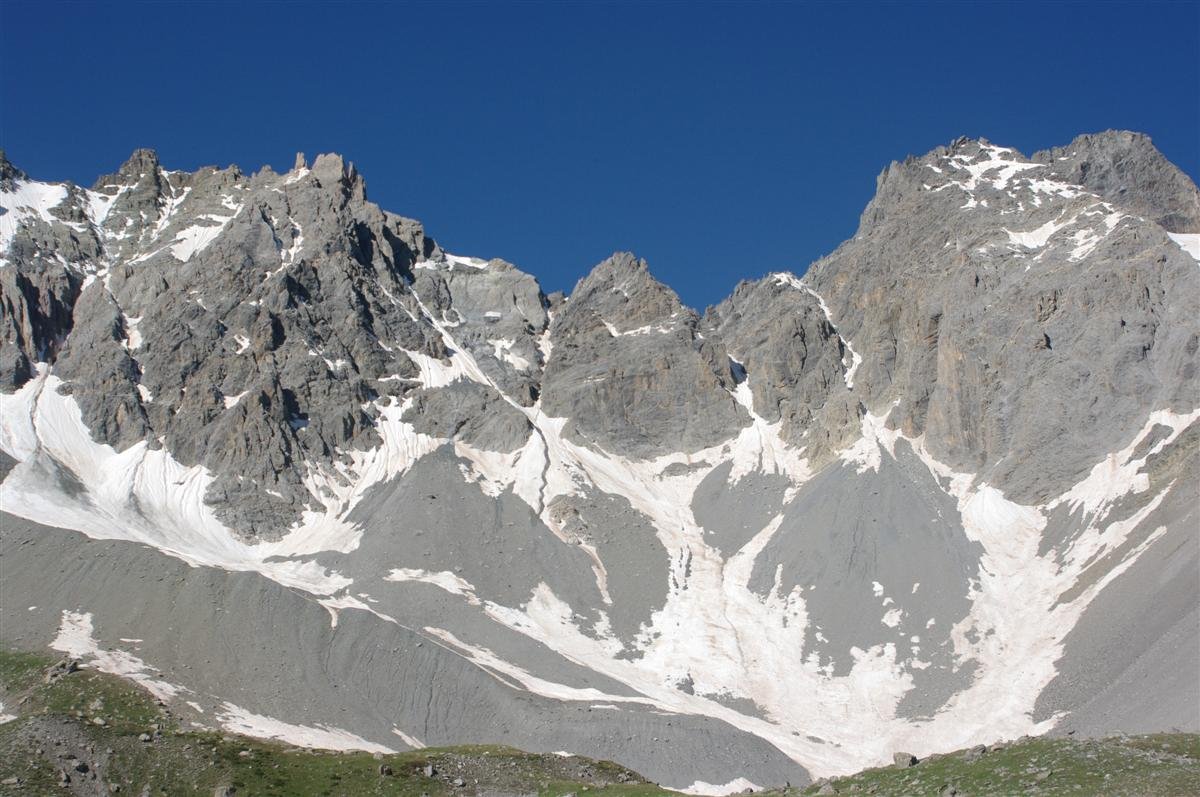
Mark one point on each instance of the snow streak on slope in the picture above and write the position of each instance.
(76, 638)
(784, 278)
(238, 720)
(195, 238)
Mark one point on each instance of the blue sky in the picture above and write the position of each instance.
(720, 141)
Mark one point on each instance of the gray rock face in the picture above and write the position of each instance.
(248, 323)
(1127, 170)
(995, 325)
(496, 312)
(632, 370)
(950, 472)
(43, 253)
(313, 323)
(797, 365)
(471, 412)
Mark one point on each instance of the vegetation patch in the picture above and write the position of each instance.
(78, 731)
(1156, 765)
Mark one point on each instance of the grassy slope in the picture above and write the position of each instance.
(1157, 765)
(178, 762)
(57, 721)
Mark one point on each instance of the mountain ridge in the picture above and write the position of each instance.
(896, 484)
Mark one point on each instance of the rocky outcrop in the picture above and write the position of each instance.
(1128, 170)
(45, 246)
(632, 370)
(799, 369)
(471, 412)
(497, 312)
(999, 309)
(246, 323)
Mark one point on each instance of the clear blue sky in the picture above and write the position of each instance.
(719, 141)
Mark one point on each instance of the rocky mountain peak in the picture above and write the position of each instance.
(331, 169)
(141, 162)
(621, 292)
(1125, 168)
(620, 264)
(9, 173)
(623, 332)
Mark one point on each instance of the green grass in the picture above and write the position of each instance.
(1157, 765)
(84, 694)
(187, 762)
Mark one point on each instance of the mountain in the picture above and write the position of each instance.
(272, 453)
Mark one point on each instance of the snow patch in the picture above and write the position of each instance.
(1188, 242)
(1039, 236)
(1117, 475)
(197, 237)
(735, 786)
(648, 329)
(236, 719)
(502, 350)
(866, 453)
(468, 262)
(288, 256)
(411, 741)
(28, 201)
(76, 638)
(444, 580)
(133, 337)
(98, 205)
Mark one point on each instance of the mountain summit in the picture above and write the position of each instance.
(272, 453)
